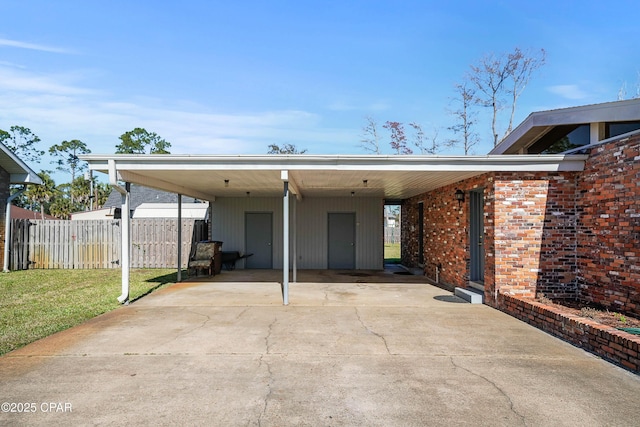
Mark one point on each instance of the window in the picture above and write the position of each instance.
(615, 129)
(562, 138)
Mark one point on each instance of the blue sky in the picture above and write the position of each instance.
(232, 77)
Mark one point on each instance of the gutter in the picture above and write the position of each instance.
(7, 228)
(124, 231)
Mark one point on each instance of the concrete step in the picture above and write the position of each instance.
(469, 295)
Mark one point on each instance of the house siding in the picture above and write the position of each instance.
(313, 233)
(228, 223)
(311, 216)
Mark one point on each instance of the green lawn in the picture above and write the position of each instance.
(392, 252)
(38, 303)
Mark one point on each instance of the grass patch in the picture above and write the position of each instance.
(392, 252)
(37, 303)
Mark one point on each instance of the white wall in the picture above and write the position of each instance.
(311, 232)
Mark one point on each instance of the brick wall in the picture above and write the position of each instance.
(609, 343)
(608, 246)
(4, 195)
(529, 234)
(535, 234)
(446, 231)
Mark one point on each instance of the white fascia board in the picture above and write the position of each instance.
(348, 163)
(25, 178)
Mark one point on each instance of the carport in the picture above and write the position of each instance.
(293, 178)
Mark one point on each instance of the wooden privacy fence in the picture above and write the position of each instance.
(88, 244)
(392, 234)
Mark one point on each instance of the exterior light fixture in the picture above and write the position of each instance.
(365, 183)
(353, 193)
(226, 182)
(459, 196)
(248, 194)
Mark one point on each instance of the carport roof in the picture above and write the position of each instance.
(389, 177)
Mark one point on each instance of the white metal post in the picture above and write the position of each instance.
(125, 257)
(295, 240)
(179, 278)
(285, 245)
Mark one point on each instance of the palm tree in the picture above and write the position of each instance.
(40, 195)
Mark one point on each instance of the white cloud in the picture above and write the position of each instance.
(20, 80)
(56, 108)
(568, 91)
(346, 106)
(33, 46)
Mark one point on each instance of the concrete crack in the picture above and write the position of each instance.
(242, 313)
(267, 396)
(384, 340)
(261, 361)
(268, 337)
(501, 391)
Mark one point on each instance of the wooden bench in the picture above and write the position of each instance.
(204, 257)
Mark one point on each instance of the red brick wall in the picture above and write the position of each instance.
(611, 344)
(529, 240)
(535, 242)
(446, 231)
(562, 234)
(609, 226)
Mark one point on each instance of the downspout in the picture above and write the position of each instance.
(7, 227)
(124, 231)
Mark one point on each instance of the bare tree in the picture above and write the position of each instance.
(427, 144)
(398, 137)
(622, 92)
(418, 137)
(370, 138)
(520, 66)
(490, 77)
(497, 76)
(465, 117)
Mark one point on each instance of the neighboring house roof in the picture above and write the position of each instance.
(19, 172)
(140, 194)
(170, 210)
(94, 214)
(541, 128)
(20, 213)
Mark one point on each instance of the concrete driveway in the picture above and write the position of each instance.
(373, 354)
